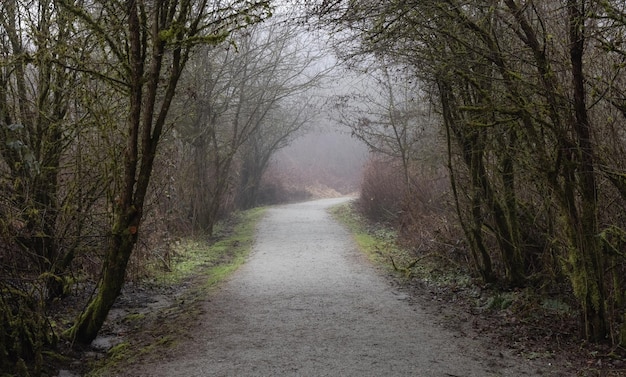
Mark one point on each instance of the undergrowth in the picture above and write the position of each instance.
(199, 265)
(531, 323)
(384, 246)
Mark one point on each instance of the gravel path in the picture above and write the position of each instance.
(307, 303)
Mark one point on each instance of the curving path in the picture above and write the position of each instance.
(307, 303)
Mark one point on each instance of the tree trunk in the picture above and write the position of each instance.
(473, 230)
(110, 285)
(586, 254)
(130, 202)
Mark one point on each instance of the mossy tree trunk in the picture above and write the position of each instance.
(35, 97)
(586, 254)
(110, 285)
(155, 47)
(130, 202)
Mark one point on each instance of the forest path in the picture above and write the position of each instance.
(308, 303)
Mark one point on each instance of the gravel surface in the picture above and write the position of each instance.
(308, 303)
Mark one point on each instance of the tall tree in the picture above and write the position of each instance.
(527, 146)
(151, 45)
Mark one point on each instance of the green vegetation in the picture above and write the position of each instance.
(377, 243)
(528, 317)
(383, 246)
(199, 265)
(119, 352)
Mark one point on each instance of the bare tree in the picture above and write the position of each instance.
(391, 115)
(284, 123)
(525, 114)
(150, 49)
(240, 106)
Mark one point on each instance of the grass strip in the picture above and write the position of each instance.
(198, 266)
(377, 241)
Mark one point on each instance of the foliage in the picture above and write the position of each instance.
(530, 98)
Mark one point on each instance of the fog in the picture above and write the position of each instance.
(324, 159)
(324, 162)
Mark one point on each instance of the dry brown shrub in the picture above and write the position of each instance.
(420, 208)
(428, 220)
(383, 190)
(278, 187)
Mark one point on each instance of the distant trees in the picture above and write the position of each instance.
(325, 161)
(242, 104)
(390, 115)
(530, 98)
(284, 123)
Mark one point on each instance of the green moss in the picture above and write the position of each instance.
(196, 255)
(378, 242)
(201, 264)
(120, 352)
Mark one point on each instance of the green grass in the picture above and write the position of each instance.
(381, 245)
(378, 242)
(200, 264)
(197, 255)
(371, 246)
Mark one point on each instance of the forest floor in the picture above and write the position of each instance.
(306, 302)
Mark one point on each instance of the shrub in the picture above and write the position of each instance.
(383, 190)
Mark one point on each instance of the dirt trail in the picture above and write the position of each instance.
(307, 303)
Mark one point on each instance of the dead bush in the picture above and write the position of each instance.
(276, 189)
(420, 208)
(383, 190)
